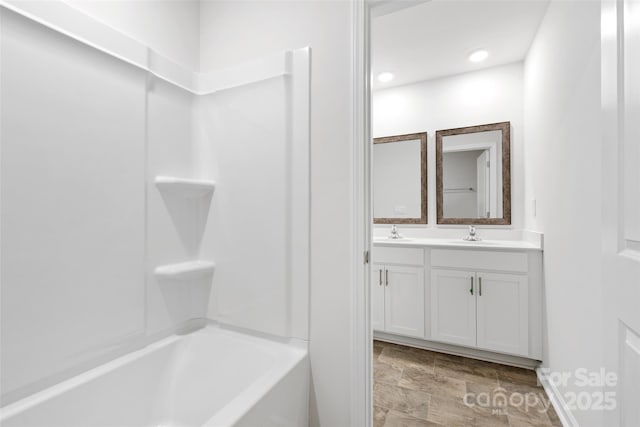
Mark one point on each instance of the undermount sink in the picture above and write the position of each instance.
(389, 239)
(473, 242)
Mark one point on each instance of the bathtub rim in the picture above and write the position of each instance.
(82, 378)
(230, 411)
(244, 402)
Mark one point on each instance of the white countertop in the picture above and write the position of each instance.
(456, 243)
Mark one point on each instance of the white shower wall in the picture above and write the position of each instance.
(174, 231)
(83, 225)
(72, 176)
(248, 228)
(83, 134)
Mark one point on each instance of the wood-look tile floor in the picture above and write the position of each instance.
(415, 388)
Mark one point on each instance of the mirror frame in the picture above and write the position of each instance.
(422, 136)
(505, 127)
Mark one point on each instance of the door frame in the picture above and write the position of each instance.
(361, 362)
(361, 357)
(361, 13)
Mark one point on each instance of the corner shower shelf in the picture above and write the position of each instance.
(185, 270)
(186, 187)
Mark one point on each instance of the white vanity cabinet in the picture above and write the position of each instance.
(453, 307)
(484, 301)
(484, 310)
(480, 298)
(377, 297)
(397, 292)
(502, 313)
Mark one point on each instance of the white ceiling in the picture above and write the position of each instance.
(433, 39)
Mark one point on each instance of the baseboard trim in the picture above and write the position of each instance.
(488, 356)
(564, 413)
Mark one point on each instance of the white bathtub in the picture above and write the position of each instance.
(210, 377)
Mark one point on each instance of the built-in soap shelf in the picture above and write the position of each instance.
(187, 188)
(185, 270)
(184, 186)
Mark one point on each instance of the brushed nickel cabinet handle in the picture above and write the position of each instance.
(479, 286)
(386, 277)
(380, 278)
(471, 288)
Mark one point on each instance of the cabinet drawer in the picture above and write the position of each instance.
(406, 256)
(480, 260)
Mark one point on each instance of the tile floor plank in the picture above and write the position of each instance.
(399, 399)
(399, 419)
(379, 416)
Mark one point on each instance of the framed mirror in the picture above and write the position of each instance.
(400, 179)
(473, 175)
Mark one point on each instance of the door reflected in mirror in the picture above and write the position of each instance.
(473, 179)
(400, 179)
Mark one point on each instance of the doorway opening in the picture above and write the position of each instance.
(452, 324)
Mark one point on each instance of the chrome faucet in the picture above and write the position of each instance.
(394, 233)
(472, 237)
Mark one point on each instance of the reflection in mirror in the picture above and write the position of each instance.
(470, 167)
(400, 179)
(473, 179)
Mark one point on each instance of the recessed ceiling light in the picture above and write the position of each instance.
(478, 55)
(385, 77)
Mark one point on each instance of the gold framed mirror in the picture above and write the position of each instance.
(400, 179)
(473, 175)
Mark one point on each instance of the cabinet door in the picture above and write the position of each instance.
(404, 300)
(503, 313)
(453, 306)
(377, 297)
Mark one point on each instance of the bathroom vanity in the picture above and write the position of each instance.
(473, 297)
(481, 299)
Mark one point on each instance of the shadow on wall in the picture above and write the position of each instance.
(189, 216)
(178, 302)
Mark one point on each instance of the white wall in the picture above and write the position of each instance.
(480, 97)
(237, 31)
(170, 27)
(563, 134)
